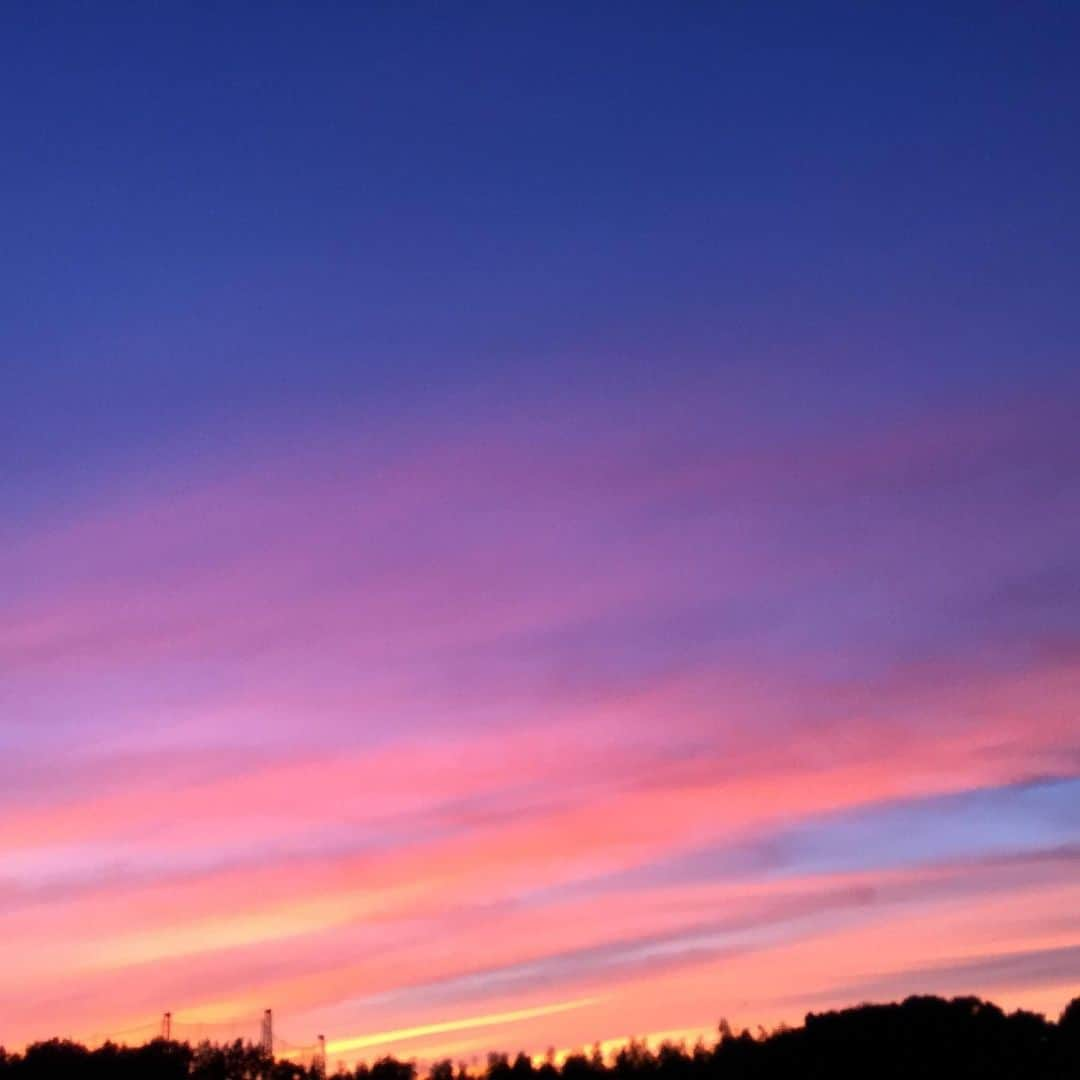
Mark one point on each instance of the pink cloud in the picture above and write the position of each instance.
(368, 704)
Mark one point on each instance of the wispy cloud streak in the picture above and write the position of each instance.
(481, 714)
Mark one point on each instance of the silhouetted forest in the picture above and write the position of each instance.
(924, 1037)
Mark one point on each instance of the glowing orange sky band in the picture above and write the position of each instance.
(340, 1046)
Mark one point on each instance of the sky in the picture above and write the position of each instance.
(533, 524)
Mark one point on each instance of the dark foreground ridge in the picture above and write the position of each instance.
(923, 1037)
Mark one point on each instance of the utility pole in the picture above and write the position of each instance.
(267, 1040)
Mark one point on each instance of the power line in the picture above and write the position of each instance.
(272, 1044)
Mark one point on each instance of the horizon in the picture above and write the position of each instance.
(523, 525)
(1040, 1041)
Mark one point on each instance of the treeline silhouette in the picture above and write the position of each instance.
(923, 1037)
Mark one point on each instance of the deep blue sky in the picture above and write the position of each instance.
(216, 209)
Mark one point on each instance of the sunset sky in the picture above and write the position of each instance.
(531, 524)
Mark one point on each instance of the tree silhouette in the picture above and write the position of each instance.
(922, 1038)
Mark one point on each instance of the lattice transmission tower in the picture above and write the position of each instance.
(266, 1040)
